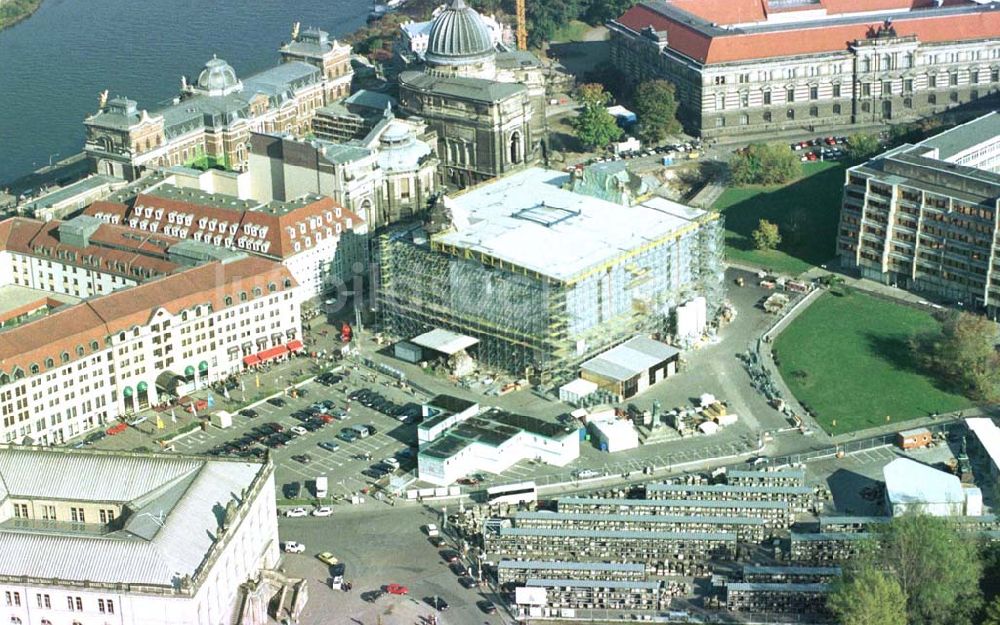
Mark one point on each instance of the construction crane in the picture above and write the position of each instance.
(522, 26)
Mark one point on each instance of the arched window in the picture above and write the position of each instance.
(121, 336)
(33, 368)
(80, 351)
(515, 147)
(272, 287)
(184, 316)
(64, 357)
(229, 301)
(243, 296)
(4, 378)
(288, 283)
(257, 292)
(49, 363)
(94, 346)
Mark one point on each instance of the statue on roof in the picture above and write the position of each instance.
(295, 30)
(102, 99)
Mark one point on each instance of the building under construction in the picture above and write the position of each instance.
(544, 277)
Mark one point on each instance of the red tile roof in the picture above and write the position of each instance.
(319, 216)
(94, 320)
(736, 45)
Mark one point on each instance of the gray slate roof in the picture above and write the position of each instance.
(477, 89)
(172, 514)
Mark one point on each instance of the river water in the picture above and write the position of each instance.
(54, 64)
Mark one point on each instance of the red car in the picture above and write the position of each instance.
(326, 418)
(396, 589)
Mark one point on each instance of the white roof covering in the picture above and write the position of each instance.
(444, 341)
(579, 387)
(629, 359)
(171, 518)
(529, 220)
(989, 436)
(910, 482)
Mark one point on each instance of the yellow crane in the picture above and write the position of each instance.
(522, 26)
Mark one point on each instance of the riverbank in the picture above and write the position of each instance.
(15, 11)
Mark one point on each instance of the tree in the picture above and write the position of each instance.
(868, 596)
(600, 11)
(595, 126)
(992, 616)
(963, 353)
(656, 108)
(766, 236)
(937, 568)
(761, 163)
(862, 146)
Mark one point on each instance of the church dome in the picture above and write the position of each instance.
(218, 77)
(458, 35)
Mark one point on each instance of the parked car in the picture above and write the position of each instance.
(322, 511)
(296, 513)
(277, 401)
(468, 582)
(250, 414)
(298, 430)
(396, 589)
(303, 458)
(437, 541)
(371, 596)
(329, 445)
(458, 569)
(327, 558)
(293, 547)
(487, 607)
(437, 603)
(449, 555)
(275, 427)
(391, 462)
(292, 490)
(347, 435)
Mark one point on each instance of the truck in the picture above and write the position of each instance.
(321, 486)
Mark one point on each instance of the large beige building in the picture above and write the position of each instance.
(924, 217)
(759, 66)
(156, 317)
(213, 116)
(124, 538)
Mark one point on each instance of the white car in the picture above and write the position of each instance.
(293, 547)
(298, 430)
(392, 462)
(322, 511)
(296, 512)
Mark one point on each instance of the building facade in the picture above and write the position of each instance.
(546, 278)
(322, 244)
(212, 118)
(157, 317)
(387, 176)
(149, 550)
(924, 217)
(487, 107)
(751, 67)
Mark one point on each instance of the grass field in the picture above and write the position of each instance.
(806, 212)
(846, 358)
(574, 30)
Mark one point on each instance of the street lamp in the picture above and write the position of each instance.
(51, 156)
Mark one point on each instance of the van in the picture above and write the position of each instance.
(321, 486)
(363, 430)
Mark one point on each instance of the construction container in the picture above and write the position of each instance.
(914, 439)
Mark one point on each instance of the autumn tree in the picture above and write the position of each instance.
(766, 236)
(762, 163)
(863, 146)
(963, 353)
(595, 126)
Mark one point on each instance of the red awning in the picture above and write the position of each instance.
(272, 353)
(252, 359)
(294, 345)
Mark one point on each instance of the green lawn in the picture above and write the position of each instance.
(847, 359)
(806, 212)
(574, 30)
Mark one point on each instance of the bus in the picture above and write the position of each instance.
(522, 492)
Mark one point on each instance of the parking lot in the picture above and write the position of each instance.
(345, 464)
(378, 549)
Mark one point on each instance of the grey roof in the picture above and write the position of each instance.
(171, 513)
(796, 474)
(962, 137)
(574, 533)
(90, 183)
(458, 36)
(310, 42)
(777, 587)
(852, 520)
(515, 59)
(729, 488)
(677, 503)
(461, 87)
(828, 536)
(750, 569)
(629, 359)
(548, 565)
(642, 518)
(591, 583)
(493, 428)
(217, 76)
(366, 98)
(340, 153)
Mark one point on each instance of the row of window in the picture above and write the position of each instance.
(73, 603)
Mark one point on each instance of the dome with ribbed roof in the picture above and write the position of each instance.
(218, 78)
(458, 36)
